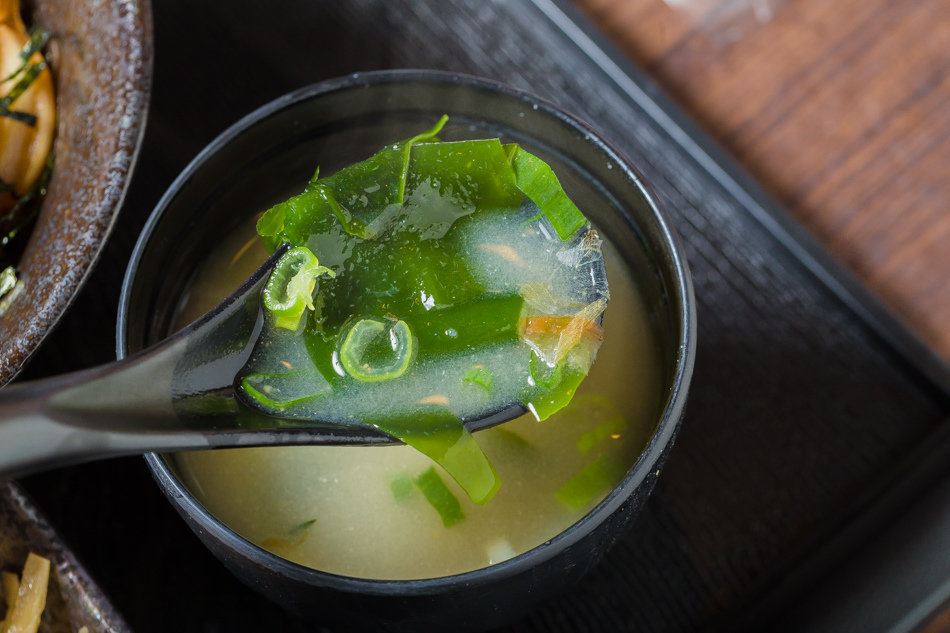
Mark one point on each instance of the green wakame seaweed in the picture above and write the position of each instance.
(391, 291)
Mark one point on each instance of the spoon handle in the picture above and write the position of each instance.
(134, 405)
(117, 409)
(176, 395)
(139, 405)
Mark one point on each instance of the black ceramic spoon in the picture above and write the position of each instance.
(176, 395)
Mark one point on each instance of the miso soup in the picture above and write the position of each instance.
(384, 512)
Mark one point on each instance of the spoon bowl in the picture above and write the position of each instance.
(176, 395)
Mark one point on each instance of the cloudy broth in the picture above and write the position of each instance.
(361, 511)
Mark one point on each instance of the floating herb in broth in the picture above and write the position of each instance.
(454, 279)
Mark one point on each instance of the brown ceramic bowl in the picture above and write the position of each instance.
(102, 69)
(73, 599)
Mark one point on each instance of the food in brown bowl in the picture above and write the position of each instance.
(71, 602)
(27, 122)
(100, 58)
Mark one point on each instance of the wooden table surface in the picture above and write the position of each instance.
(840, 108)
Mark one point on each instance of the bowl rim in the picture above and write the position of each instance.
(133, 20)
(647, 464)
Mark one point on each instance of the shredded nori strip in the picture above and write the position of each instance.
(38, 39)
(6, 101)
(21, 215)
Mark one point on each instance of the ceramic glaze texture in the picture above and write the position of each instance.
(101, 53)
(73, 598)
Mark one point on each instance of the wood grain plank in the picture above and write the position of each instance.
(657, 28)
(839, 109)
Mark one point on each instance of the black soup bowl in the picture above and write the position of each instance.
(270, 155)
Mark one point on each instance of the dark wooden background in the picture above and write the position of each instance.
(840, 108)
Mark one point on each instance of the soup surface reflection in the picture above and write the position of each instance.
(362, 512)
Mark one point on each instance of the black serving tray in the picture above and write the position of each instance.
(807, 478)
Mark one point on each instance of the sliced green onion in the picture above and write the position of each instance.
(608, 428)
(594, 480)
(401, 487)
(373, 350)
(289, 291)
(511, 439)
(279, 391)
(539, 182)
(440, 497)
